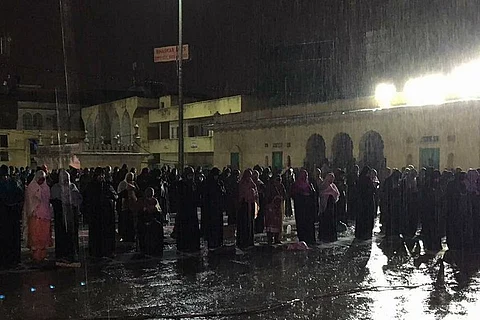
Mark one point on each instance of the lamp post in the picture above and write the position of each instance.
(181, 159)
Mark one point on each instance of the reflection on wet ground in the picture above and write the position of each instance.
(348, 279)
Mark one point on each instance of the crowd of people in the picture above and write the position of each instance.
(119, 205)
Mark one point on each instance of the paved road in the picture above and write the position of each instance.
(345, 280)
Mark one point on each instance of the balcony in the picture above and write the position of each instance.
(192, 145)
(197, 110)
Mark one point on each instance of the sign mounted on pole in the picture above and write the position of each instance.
(169, 54)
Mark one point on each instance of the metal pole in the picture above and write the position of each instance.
(181, 159)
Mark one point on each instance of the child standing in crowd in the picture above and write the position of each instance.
(150, 224)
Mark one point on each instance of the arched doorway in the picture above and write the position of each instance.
(342, 150)
(102, 128)
(371, 151)
(315, 152)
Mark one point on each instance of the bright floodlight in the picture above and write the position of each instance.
(384, 94)
(466, 80)
(428, 90)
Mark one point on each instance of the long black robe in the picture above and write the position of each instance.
(327, 227)
(430, 216)
(458, 217)
(66, 235)
(305, 217)
(392, 213)
(213, 205)
(366, 208)
(187, 229)
(100, 200)
(245, 225)
(11, 198)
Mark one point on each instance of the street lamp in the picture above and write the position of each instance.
(181, 159)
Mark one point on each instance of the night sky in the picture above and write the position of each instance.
(271, 48)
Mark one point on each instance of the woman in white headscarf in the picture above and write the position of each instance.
(66, 200)
(37, 216)
(127, 191)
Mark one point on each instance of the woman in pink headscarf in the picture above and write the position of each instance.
(329, 196)
(303, 195)
(248, 209)
(37, 216)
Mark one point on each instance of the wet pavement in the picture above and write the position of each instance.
(347, 279)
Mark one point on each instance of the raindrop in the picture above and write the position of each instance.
(52, 286)
(2, 297)
(32, 289)
(82, 283)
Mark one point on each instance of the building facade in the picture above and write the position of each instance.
(39, 123)
(351, 131)
(198, 131)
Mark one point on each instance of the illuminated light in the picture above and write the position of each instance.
(32, 289)
(466, 80)
(428, 90)
(384, 94)
(82, 283)
(2, 297)
(52, 286)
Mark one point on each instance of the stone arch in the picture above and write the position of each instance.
(27, 121)
(126, 128)
(115, 125)
(102, 128)
(315, 152)
(372, 151)
(342, 150)
(37, 121)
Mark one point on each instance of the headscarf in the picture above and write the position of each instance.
(65, 191)
(301, 185)
(125, 183)
(37, 201)
(328, 189)
(247, 189)
(472, 181)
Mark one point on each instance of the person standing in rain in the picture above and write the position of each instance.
(458, 214)
(329, 195)
(260, 218)
(275, 207)
(288, 178)
(128, 191)
(37, 217)
(431, 209)
(392, 202)
(231, 188)
(473, 183)
(248, 208)
(365, 217)
(214, 203)
(352, 192)
(100, 200)
(11, 199)
(150, 224)
(186, 221)
(66, 200)
(303, 194)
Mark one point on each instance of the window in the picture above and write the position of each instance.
(37, 121)
(153, 133)
(27, 121)
(164, 130)
(174, 132)
(3, 141)
(191, 131)
(4, 156)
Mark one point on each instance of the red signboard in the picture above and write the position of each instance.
(168, 54)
